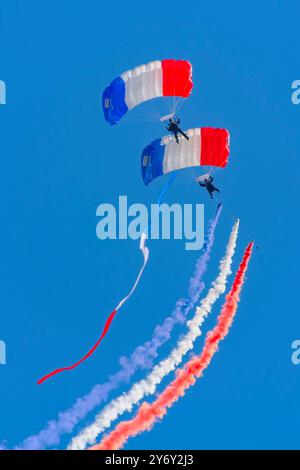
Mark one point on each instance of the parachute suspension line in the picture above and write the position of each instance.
(214, 170)
(179, 105)
(156, 110)
(174, 97)
(176, 104)
(180, 101)
(173, 107)
(167, 105)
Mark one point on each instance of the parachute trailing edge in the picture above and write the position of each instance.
(168, 77)
(207, 146)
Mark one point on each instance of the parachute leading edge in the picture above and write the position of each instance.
(168, 77)
(206, 146)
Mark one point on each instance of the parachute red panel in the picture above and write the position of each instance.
(177, 78)
(214, 147)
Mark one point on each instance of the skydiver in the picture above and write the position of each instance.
(173, 127)
(207, 183)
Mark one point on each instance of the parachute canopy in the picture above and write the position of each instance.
(168, 77)
(206, 146)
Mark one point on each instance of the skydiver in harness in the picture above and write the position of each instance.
(173, 127)
(207, 183)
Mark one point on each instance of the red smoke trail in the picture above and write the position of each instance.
(88, 354)
(109, 320)
(149, 413)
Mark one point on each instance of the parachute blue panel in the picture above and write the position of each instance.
(152, 161)
(113, 101)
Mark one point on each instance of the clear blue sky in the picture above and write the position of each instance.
(60, 160)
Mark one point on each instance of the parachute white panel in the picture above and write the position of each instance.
(143, 83)
(183, 155)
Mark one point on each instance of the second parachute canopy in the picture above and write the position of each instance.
(206, 146)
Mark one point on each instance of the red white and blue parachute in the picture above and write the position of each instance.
(167, 77)
(207, 146)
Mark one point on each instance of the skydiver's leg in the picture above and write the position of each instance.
(184, 135)
(176, 137)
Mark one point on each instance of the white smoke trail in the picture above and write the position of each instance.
(126, 401)
(145, 252)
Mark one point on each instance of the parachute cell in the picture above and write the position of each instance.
(168, 77)
(206, 146)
